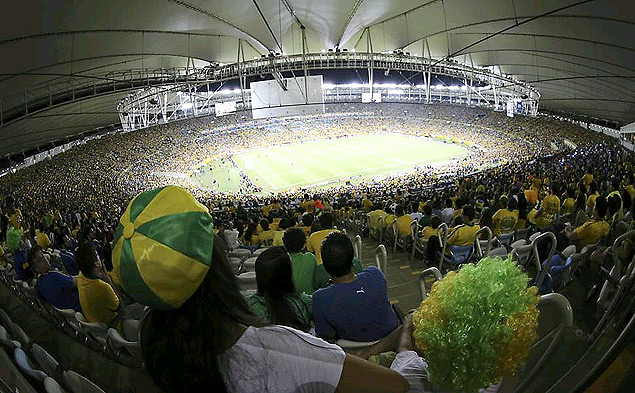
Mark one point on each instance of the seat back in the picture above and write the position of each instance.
(79, 384)
(521, 233)
(117, 344)
(131, 329)
(47, 363)
(442, 235)
(51, 386)
(483, 246)
(381, 258)
(426, 279)
(247, 281)
(26, 365)
(357, 247)
(616, 271)
(417, 244)
(505, 238)
(249, 265)
(96, 330)
(460, 254)
(507, 225)
(556, 315)
(536, 256)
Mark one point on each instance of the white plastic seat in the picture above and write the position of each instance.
(18, 334)
(118, 344)
(235, 262)
(381, 258)
(424, 284)
(567, 252)
(51, 386)
(27, 367)
(46, 361)
(240, 253)
(357, 247)
(5, 340)
(247, 281)
(131, 329)
(534, 236)
(555, 316)
(258, 252)
(249, 265)
(96, 330)
(348, 344)
(79, 384)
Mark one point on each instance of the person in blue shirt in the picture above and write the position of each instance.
(58, 289)
(21, 265)
(355, 306)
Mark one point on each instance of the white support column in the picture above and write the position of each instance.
(371, 63)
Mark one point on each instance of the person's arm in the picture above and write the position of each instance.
(104, 276)
(359, 375)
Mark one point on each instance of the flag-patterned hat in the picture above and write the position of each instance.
(162, 248)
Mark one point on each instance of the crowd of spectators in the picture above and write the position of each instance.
(60, 216)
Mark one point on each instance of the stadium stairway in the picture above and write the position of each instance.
(106, 373)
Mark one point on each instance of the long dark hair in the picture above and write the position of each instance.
(178, 345)
(274, 276)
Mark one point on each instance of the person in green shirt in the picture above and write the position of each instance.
(304, 264)
(277, 300)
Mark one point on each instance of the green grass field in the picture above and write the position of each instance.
(287, 167)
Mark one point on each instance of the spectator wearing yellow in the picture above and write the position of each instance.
(594, 229)
(568, 205)
(308, 204)
(374, 218)
(630, 185)
(279, 233)
(593, 193)
(587, 179)
(403, 222)
(430, 230)
(547, 210)
(41, 238)
(464, 234)
(505, 219)
(266, 234)
(314, 242)
(97, 295)
(390, 217)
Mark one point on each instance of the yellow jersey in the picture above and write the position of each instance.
(403, 225)
(592, 231)
(463, 235)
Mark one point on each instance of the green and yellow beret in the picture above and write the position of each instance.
(162, 248)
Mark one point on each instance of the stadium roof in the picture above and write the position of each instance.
(579, 54)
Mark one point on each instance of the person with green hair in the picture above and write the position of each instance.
(475, 327)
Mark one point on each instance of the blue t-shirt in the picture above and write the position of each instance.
(20, 265)
(58, 289)
(357, 311)
(68, 260)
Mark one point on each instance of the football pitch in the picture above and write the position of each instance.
(330, 162)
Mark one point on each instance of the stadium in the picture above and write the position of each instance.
(290, 196)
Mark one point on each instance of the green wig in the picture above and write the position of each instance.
(477, 325)
(13, 238)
